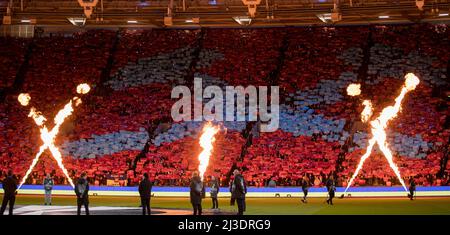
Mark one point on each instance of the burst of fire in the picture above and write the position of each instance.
(354, 89)
(24, 99)
(83, 88)
(367, 111)
(206, 142)
(48, 137)
(379, 126)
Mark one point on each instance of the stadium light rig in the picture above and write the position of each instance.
(81, 21)
(243, 20)
(48, 137)
(379, 125)
(206, 141)
(326, 17)
(333, 17)
(194, 20)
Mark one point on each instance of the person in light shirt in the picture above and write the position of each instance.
(214, 192)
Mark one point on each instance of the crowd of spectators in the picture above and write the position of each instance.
(110, 138)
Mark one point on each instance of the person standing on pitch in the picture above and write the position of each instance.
(145, 191)
(197, 191)
(238, 191)
(9, 192)
(232, 199)
(412, 188)
(305, 187)
(82, 192)
(214, 192)
(331, 188)
(48, 186)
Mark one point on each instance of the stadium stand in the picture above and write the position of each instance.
(12, 56)
(319, 130)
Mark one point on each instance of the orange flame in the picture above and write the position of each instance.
(379, 126)
(206, 142)
(48, 137)
(367, 111)
(24, 99)
(83, 88)
(354, 89)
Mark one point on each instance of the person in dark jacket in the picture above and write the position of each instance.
(412, 188)
(48, 186)
(331, 189)
(305, 187)
(238, 191)
(232, 199)
(9, 192)
(82, 192)
(145, 191)
(197, 191)
(214, 192)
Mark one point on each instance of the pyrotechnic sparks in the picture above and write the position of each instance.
(206, 142)
(83, 88)
(354, 89)
(379, 126)
(48, 137)
(37, 116)
(77, 101)
(24, 99)
(367, 111)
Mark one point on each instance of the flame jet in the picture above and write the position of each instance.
(206, 142)
(379, 125)
(48, 137)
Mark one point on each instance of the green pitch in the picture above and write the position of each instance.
(276, 206)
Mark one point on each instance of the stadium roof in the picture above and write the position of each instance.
(223, 13)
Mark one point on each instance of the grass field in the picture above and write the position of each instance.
(277, 206)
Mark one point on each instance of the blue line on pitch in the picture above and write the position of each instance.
(250, 189)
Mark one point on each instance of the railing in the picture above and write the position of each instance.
(20, 31)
